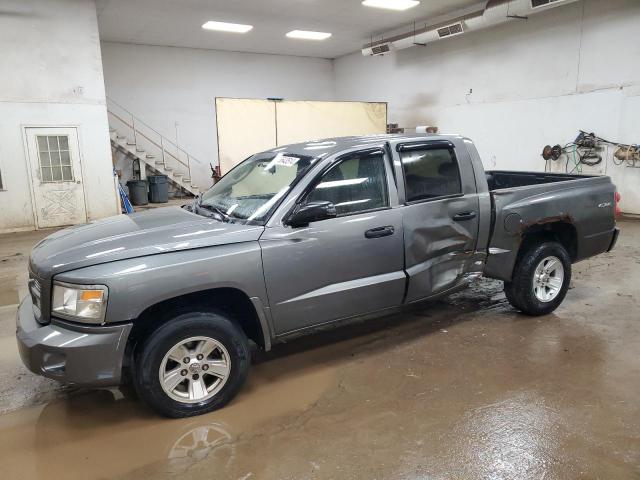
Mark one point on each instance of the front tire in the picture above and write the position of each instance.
(193, 364)
(540, 279)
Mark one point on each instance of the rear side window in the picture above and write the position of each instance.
(356, 184)
(430, 173)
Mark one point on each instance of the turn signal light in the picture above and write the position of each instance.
(91, 295)
(618, 210)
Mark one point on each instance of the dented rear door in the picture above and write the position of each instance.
(440, 216)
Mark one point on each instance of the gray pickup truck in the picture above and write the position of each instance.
(292, 239)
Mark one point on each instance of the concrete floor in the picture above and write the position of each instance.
(464, 388)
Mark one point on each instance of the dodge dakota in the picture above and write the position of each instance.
(292, 239)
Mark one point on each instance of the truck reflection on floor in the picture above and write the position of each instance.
(102, 434)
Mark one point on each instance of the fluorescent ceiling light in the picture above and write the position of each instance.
(227, 27)
(307, 35)
(391, 4)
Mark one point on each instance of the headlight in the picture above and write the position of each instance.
(83, 303)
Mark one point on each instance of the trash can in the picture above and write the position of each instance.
(138, 192)
(158, 189)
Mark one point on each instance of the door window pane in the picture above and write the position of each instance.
(66, 174)
(42, 144)
(54, 157)
(46, 174)
(45, 161)
(53, 143)
(65, 159)
(63, 142)
(354, 185)
(431, 174)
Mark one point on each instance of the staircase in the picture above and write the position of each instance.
(155, 152)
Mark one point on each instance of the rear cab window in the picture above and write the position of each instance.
(430, 173)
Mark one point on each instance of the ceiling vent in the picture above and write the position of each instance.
(379, 49)
(543, 3)
(450, 30)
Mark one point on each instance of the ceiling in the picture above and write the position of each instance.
(178, 23)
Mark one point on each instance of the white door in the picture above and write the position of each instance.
(56, 176)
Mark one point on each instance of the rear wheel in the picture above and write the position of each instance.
(540, 279)
(193, 364)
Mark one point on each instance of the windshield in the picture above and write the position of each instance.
(253, 189)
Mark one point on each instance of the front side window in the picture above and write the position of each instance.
(54, 158)
(253, 189)
(356, 184)
(430, 174)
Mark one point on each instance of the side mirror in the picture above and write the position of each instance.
(306, 213)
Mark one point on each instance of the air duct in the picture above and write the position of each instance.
(479, 16)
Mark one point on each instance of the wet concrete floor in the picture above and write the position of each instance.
(463, 388)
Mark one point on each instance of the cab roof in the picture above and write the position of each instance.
(330, 146)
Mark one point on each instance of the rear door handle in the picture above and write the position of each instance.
(379, 232)
(460, 216)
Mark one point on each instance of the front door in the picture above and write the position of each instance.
(56, 176)
(339, 267)
(440, 217)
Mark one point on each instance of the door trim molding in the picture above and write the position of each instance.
(348, 285)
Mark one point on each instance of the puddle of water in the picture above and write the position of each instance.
(102, 434)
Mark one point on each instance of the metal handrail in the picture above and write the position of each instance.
(160, 145)
(163, 139)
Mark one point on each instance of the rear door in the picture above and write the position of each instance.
(440, 216)
(339, 267)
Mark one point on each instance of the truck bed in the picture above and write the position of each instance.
(501, 179)
(579, 208)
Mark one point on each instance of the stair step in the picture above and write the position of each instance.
(139, 150)
(121, 137)
(112, 130)
(130, 142)
(168, 169)
(186, 179)
(176, 174)
(158, 162)
(151, 155)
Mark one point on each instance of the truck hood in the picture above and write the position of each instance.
(127, 236)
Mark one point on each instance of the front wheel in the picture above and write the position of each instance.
(540, 280)
(193, 364)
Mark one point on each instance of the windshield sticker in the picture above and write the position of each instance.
(286, 160)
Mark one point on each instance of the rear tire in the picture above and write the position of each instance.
(193, 364)
(540, 279)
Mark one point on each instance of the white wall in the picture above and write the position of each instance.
(52, 76)
(164, 85)
(533, 83)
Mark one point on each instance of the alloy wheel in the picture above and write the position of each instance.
(195, 369)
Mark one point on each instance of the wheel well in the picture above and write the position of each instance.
(232, 302)
(561, 232)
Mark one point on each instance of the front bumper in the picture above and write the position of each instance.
(71, 353)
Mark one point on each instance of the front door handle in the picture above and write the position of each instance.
(460, 216)
(379, 232)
